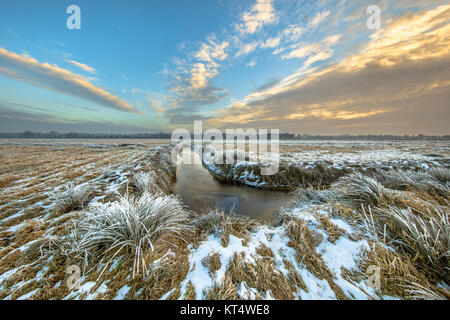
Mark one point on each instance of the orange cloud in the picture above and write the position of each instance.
(403, 68)
(82, 66)
(27, 69)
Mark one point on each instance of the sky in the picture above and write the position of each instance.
(300, 66)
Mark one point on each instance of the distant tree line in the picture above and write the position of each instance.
(165, 135)
(292, 136)
(83, 135)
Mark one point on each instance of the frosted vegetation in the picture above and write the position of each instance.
(111, 211)
(320, 163)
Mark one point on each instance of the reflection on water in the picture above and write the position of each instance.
(199, 190)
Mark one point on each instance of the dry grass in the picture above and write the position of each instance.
(212, 262)
(305, 241)
(264, 251)
(45, 174)
(262, 276)
(6, 179)
(225, 290)
(333, 231)
(30, 231)
(159, 174)
(40, 248)
(163, 277)
(289, 176)
(397, 272)
(433, 183)
(418, 292)
(70, 175)
(408, 211)
(221, 224)
(401, 209)
(425, 236)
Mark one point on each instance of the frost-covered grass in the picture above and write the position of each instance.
(160, 175)
(422, 234)
(435, 180)
(72, 198)
(134, 240)
(48, 183)
(322, 163)
(418, 292)
(132, 225)
(146, 182)
(407, 211)
(288, 176)
(363, 189)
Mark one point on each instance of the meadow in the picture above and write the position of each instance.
(365, 220)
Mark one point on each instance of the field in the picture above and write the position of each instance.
(99, 220)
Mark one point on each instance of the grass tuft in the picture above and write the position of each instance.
(363, 189)
(418, 292)
(146, 182)
(72, 198)
(130, 225)
(422, 235)
(221, 224)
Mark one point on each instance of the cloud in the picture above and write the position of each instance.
(155, 101)
(319, 18)
(247, 48)
(190, 90)
(292, 33)
(27, 69)
(190, 82)
(212, 51)
(82, 66)
(271, 43)
(268, 84)
(262, 13)
(200, 75)
(195, 97)
(318, 51)
(183, 116)
(13, 120)
(399, 82)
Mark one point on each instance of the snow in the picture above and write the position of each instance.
(100, 290)
(246, 292)
(340, 155)
(317, 288)
(343, 253)
(122, 293)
